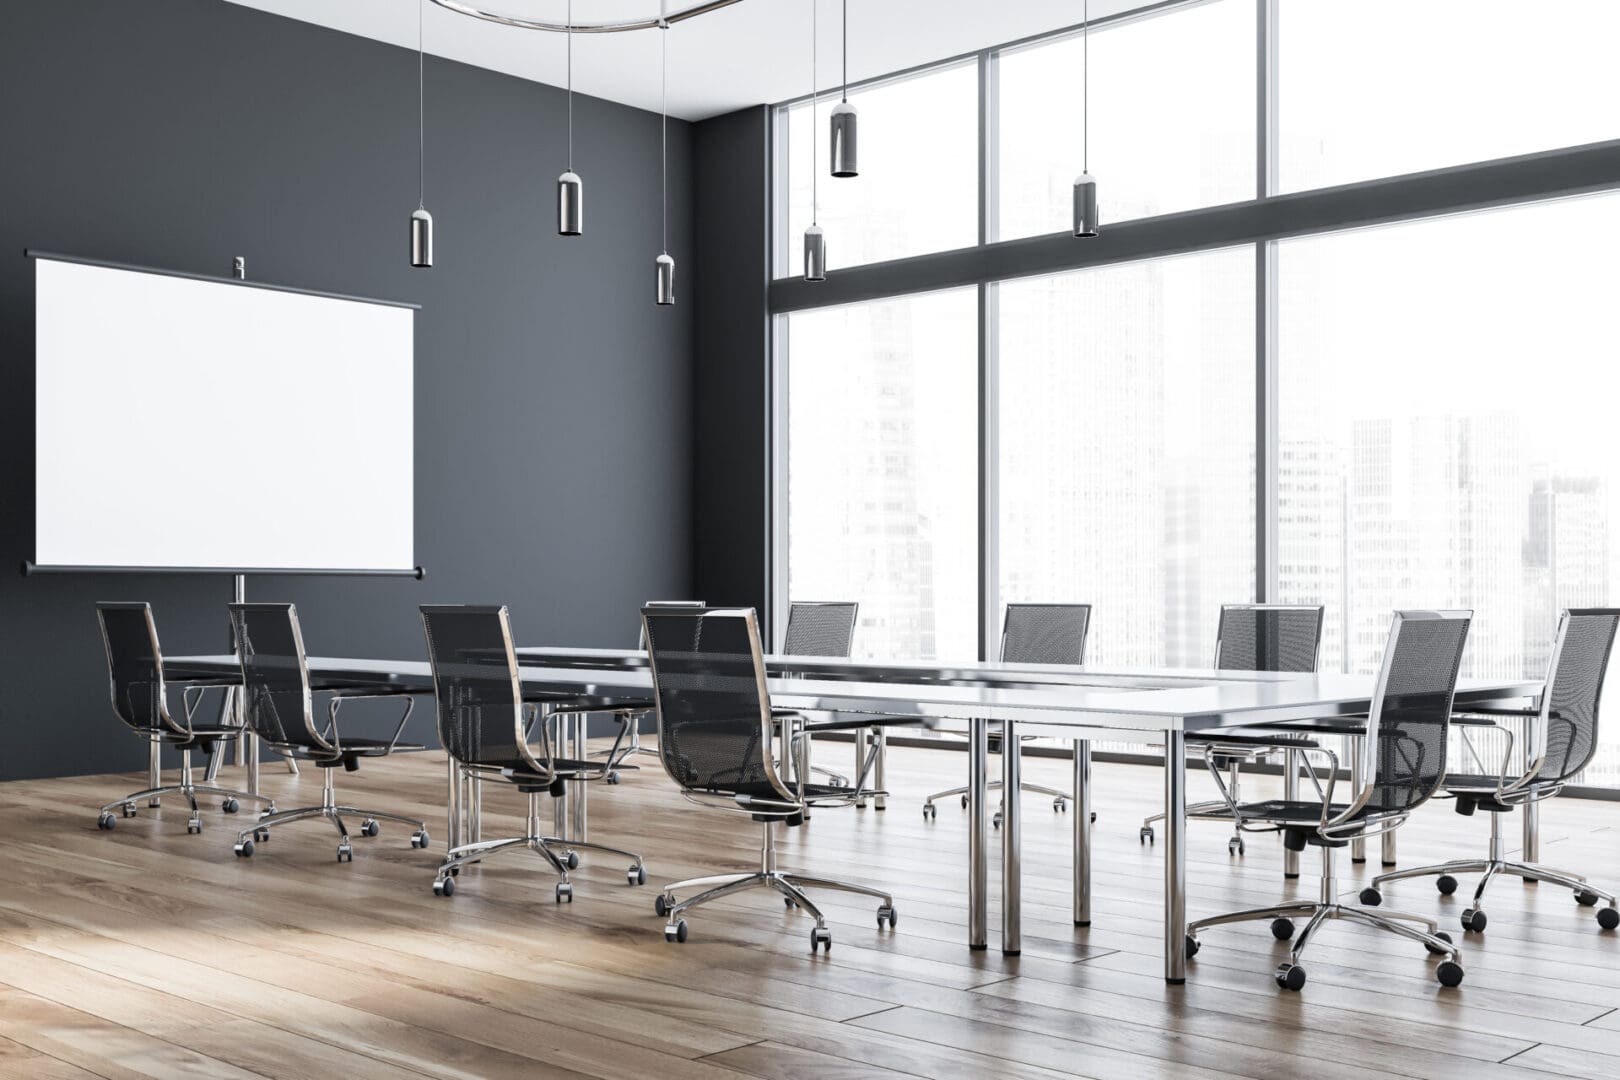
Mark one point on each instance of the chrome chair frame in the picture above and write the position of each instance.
(325, 750)
(168, 730)
(1060, 799)
(1236, 755)
(1515, 788)
(788, 802)
(1334, 829)
(527, 719)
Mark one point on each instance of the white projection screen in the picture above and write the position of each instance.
(193, 423)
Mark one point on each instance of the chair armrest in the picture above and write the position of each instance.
(363, 694)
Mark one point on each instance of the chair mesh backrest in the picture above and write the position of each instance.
(1412, 716)
(1574, 688)
(708, 674)
(820, 629)
(134, 665)
(677, 605)
(271, 650)
(1268, 637)
(1045, 633)
(475, 683)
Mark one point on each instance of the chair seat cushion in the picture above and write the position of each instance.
(1475, 793)
(1299, 819)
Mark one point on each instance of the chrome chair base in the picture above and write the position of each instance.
(1290, 975)
(1208, 810)
(790, 886)
(547, 847)
(1473, 917)
(1060, 799)
(229, 800)
(329, 810)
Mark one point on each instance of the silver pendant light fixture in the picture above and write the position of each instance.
(665, 263)
(421, 220)
(570, 189)
(1085, 185)
(815, 244)
(844, 119)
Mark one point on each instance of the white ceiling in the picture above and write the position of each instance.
(756, 51)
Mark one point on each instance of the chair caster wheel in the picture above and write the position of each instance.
(1146, 834)
(637, 874)
(821, 936)
(1446, 884)
(1191, 946)
(444, 886)
(663, 904)
(455, 871)
(106, 821)
(887, 914)
(1291, 976)
(964, 802)
(129, 809)
(230, 806)
(1443, 936)
(1060, 806)
(1282, 929)
(572, 860)
(244, 849)
(995, 822)
(565, 893)
(194, 825)
(261, 835)
(675, 931)
(789, 903)
(1473, 920)
(345, 853)
(1585, 898)
(1608, 918)
(369, 827)
(929, 812)
(1371, 897)
(1236, 846)
(1449, 972)
(1094, 817)
(419, 838)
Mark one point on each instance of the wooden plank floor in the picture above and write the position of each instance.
(147, 952)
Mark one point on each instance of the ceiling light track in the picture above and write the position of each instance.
(652, 23)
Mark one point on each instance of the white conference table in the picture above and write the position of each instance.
(1079, 703)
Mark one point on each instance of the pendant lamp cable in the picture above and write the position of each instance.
(421, 122)
(814, 100)
(663, 108)
(1085, 89)
(845, 21)
(570, 85)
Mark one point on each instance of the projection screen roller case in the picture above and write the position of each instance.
(201, 423)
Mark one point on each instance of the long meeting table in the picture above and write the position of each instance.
(1078, 703)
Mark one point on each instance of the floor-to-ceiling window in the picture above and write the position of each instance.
(882, 470)
(1296, 367)
(1127, 449)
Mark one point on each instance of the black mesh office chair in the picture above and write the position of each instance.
(1250, 637)
(715, 738)
(278, 705)
(1403, 761)
(822, 628)
(1562, 734)
(1033, 634)
(631, 713)
(139, 698)
(484, 721)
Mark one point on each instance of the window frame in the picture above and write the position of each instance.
(1260, 222)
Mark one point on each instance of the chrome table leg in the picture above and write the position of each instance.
(154, 769)
(1290, 794)
(1175, 857)
(880, 747)
(978, 834)
(1082, 832)
(1012, 933)
(1358, 846)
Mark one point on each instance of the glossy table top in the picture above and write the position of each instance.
(1055, 699)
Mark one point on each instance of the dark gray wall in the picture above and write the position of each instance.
(553, 416)
(731, 379)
